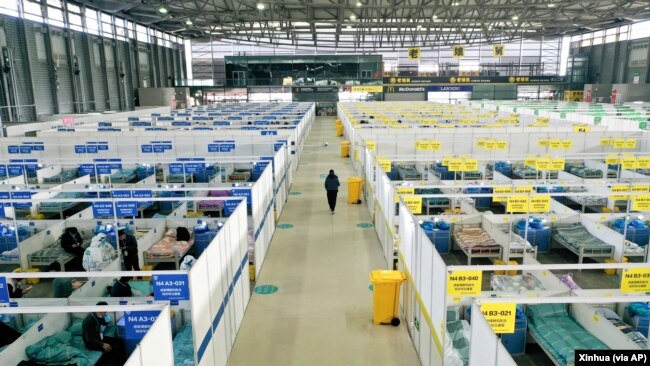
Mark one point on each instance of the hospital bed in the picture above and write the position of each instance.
(476, 243)
(179, 178)
(124, 176)
(167, 250)
(583, 172)
(214, 206)
(61, 207)
(526, 172)
(579, 241)
(63, 348)
(183, 346)
(240, 175)
(62, 177)
(408, 172)
(53, 253)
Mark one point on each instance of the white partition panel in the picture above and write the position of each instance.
(438, 311)
(151, 349)
(503, 356)
(201, 311)
(483, 341)
(601, 328)
(263, 220)
(39, 241)
(46, 326)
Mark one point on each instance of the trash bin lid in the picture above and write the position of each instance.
(345, 142)
(355, 180)
(378, 276)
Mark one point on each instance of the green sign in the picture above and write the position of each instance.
(285, 226)
(266, 289)
(364, 225)
(295, 193)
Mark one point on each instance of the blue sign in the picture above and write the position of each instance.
(126, 209)
(159, 148)
(175, 168)
(260, 166)
(194, 167)
(3, 170)
(243, 192)
(277, 147)
(13, 149)
(170, 287)
(450, 88)
(229, 207)
(213, 148)
(122, 194)
(4, 291)
(221, 123)
(269, 133)
(91, 149)
(106, 124)
(26, 149)
(80, 149)
(22, 195)
(104, 168)
(137, 323)
(102, 147)
(142, 194)
(15, 169)
(31, 167)
(103, 209)
(181, 123)
(133, 119)
(87, 169)
(146, 149)
(38, 147)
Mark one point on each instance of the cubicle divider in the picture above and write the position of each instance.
(221, 270)
(96, 286)
(149, 350)
(263, 216)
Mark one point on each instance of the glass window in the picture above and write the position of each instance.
(610, 38)
(623, 36)
(55, 16)
(74, 8)
(91, 21)
(9, 7)
(640, 30)
(33, 11)
(56, 3)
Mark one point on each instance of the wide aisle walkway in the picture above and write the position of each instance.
(322, 312)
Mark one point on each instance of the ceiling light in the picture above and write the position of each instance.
(353, 17)
(260, 6)
(515, 17)
(188, 22)
(163, 10)
(550, 5)
(348, 26)
(434, 17)
(278, 29)
(455, 3)
(359, 4)
(419, 26)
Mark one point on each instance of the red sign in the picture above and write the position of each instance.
(68, 121)
(614, 96)
(588, 96)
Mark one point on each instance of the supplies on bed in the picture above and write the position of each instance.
(442, 172)
(63, 176)
(8, 234)
(63, 348)
(558, 333)
(516, 283)
(527, 172)
(583, 172)
(170, 248)
(634, 335)
(502, 167)
(480, 202)
(240, 174)
(213, 205)
(203, 235)
(476, 243)
(637, 230)
(206, 175)
(457, 343)
(439, 234)
(537, 233)
(144, 171)
(638, 315)
(567, 279)
(124, 176)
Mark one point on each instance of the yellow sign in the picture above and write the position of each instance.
(501, 145)
(635, 280)
(517, 204)
(455, 165)
(500, 316)
(643, 163)
(612, 159)
(618, 189)
(464, 282)
(540, 204)
(557, 164)
(605, 141)
(501, 190)
(458, 51)
(640, 188)
(468, 121)
(641, 202)
(389, 122)
(428, 145)
(523, 189)
(581, 128)
(542, 142)
(414, 203)
(543, 164)
(367, 89)
(471, 165)
(489, 144)
(618, 143)
(630, 144)
(555, 144)
(567, 144)
(498, 50)
(542, 119)
(371, 145)
(385, 164)
(628, 163)
(399, 191)
(414, 53)
(530, 161)
(428, 121)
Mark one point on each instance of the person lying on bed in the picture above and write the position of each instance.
(94, 339)
(62, 287)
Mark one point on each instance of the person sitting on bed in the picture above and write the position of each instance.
(182, 234)
(94, 339)
(122, 288)
(16, 289)
(99, 254)
(62, 287)
(71, 242)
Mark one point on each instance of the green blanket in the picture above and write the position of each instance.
(57, 349)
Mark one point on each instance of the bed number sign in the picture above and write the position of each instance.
(4, 294)
(464, 282)
(500, 316)
(171, 287)
(137, 323)
(635, 280)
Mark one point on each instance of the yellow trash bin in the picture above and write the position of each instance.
(33, 281)
(385, 296)
(339, 130)
(354, 190)
(147, 267)
(345, 149)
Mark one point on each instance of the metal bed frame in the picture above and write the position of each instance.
(606, 252)
(481, 253)
(62, 256)
(176, 258)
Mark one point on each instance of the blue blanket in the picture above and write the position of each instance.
(57, 349)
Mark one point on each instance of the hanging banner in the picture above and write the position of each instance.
(458, 51)
(517, 204)
(414, 53)
(498, 50)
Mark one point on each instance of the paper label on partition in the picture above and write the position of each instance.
(428, 121)
(630, 144)
(605, 141)
(612, 159)
(628, 163)
(500, 316)
(641, 202)
(371, 145)
(530, 161)
(618, 143)
(640, 188)
(385, 164)
(489, 144)
(543, 164)
(464, 282)
(471, 165)
(501, 190)
(540, 203)
(414, 203)
(399, 191)
(455, 165)
(501, 145)
(643, 163)
(619, 197)
(557, 164)
(517, 204)
(523, 189)
(581, 128)
(635, 280)
(542, 142)
(555, 144)
(567, 144)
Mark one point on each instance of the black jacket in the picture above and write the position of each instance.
(68, 240)
(332, 182)
(129, 246)
(91, 331)
(121, 289)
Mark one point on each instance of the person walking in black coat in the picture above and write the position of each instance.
(332, 187)
(129, 248)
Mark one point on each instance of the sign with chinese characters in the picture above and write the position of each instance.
(137, 323)
(414, 53)
(458, 51)
(464, 282)
(500, 316)
(498, 50)
(170, 287)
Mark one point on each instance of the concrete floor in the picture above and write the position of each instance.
(322, 313)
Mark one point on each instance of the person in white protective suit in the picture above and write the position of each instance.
(99, 254)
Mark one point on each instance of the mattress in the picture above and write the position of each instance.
(56, 206)
(50, 254)
(561, 336)
(64, 176)
(577, 237)
(589, 200)
(519, 244)
(476, 240)
(124, 175)
(168, 246)
(525, 282)
(457, 343)
(179, 178)
(630, 332)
